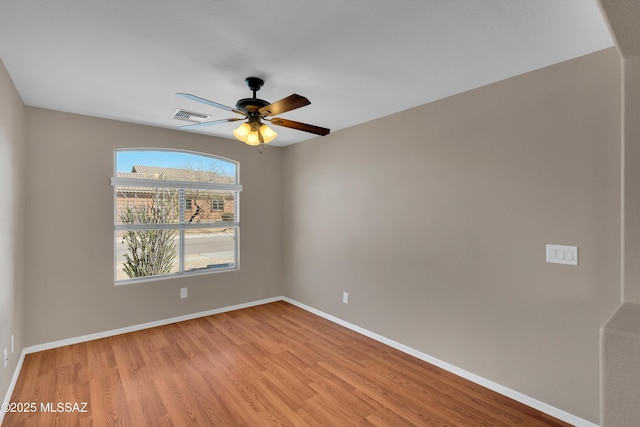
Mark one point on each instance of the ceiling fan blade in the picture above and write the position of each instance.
(300, 126)
(289, 103)
(205, 124)
(206, 101)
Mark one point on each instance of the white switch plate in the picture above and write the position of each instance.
(183, 293)
(345, 297)
(560, 254)
(5, 357)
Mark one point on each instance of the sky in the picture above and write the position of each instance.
(126, 159)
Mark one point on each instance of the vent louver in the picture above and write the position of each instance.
(189, 116)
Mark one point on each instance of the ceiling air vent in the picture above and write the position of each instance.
(189, 116)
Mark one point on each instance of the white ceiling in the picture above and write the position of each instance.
(356, 60)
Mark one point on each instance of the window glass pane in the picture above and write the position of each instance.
(209, 249)
(210, 206)
(140, 205)
(142, 253)
(174, 166)
(152, 220)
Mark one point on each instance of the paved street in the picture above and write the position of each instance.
(214, 245)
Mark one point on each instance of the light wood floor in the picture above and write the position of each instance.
(273, 364)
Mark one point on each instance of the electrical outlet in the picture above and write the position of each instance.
(345, 297)
(13, 344)
(183, 293)
(5, 357)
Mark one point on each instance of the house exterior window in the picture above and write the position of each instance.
(217, 205)
(162, 225)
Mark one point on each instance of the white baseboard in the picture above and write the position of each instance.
(505, 391)
(12, 384)
(113, 332)
(517, 396)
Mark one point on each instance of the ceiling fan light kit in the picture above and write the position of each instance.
(254, 131)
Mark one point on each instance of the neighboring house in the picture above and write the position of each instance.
(200, 205)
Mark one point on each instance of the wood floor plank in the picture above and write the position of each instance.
(270, 365)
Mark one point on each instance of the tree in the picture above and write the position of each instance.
(150, 252)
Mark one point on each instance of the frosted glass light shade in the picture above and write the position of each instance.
(242, 132)
(253, 138)
(268, 134)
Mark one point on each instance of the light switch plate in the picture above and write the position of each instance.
(561, 254)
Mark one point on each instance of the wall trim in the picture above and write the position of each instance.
(134, 328)
(13, 382)
(505, 391)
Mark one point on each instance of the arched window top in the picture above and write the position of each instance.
(175, 165)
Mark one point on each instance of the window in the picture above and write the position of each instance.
(217, 205)
(162, 225)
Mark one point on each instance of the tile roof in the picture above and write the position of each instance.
(172, 174)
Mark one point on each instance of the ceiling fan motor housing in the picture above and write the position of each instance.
(251, 105)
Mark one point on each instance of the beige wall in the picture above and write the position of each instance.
(620, 336)
(69, 274)
(12, 147)
(457, 268)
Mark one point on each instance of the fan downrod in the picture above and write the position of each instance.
(250, 106)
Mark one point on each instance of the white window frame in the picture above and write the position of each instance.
(182, 225)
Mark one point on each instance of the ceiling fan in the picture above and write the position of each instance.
(254, 111)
